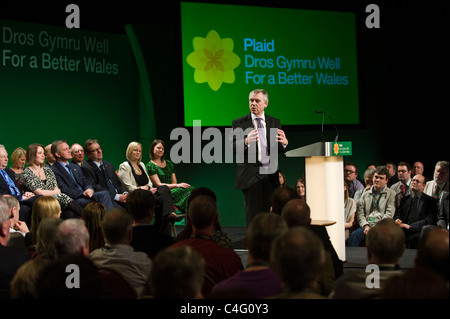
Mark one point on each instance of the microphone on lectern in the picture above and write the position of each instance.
(331, 119)
(323, 120)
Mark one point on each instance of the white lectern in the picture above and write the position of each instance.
(324, 181)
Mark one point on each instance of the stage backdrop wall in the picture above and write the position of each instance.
(70, 84)
(159, 45)
(133, 92)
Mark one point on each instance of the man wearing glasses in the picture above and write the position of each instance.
(416, 211)
(101, 174)
(351, 178)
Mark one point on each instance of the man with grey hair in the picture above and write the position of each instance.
(439, 185)
(72, 238)
(257, 177)
(10, 258)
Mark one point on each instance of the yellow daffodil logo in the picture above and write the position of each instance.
(213, 60)
(336, 149)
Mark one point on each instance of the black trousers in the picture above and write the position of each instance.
(163, 206)
(257, 198)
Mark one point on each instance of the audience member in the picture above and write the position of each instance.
(44, 206)
(433, 252)
(102, 174)
(282, 178)
(133, 175)
(403, 187)
(415, 284)
(11, 258)
(132, 172)
(368, 182)
(300, 188)
(178, 273)
(351, 177)
(23, 284)
(49, 158)
(375, 204)
(385, 246)
(439, 184)
(77, 154)
(392, 177)
(258, 279)
(18, 162)
(416, 211)
(41, 180)
(71, 238)
(18, 228)
(162, 172)
(297, 213)
(9, 186)
(45, 239)
(56, 280)
(72, 181)
(220, 237)
(350, 206)
(418, 169)
(146, 238)
(298, 258)
(429, 278)
(117, 252)
(221, 262)
(93, 215)
(280, 197)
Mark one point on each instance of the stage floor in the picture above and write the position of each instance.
(356, 257)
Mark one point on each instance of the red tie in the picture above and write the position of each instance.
(403, 190)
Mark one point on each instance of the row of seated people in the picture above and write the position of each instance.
(76, 183)
(286, 257)
(415, 204)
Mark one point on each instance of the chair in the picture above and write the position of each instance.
(118, 286)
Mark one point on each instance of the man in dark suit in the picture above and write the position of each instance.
(101, 174)
(257, 141)
(416, 211)
(71, 179)
(107, 180)
(9, 186)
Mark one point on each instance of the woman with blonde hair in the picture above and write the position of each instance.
(93, 215)
(43, 207)
(132, 172)
(134, 176)
(18, 157)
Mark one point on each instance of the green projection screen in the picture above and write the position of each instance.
(305, 59)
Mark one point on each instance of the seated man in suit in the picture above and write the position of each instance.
(416, 211)
(102, 175)
(71, 179)
(9, 186)
(110, 182)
